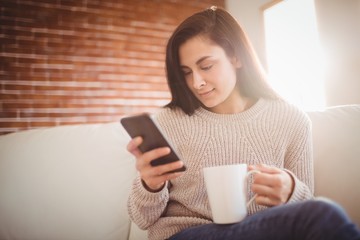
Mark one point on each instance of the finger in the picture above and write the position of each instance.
(274, 186)
(148, 171)
(166, 168)
(144, 159)
(268, 169)
(264, 200)
(251, 167)
(262, 189)
(133, 146)
(273, 194)
(271, 180)
(155, 154)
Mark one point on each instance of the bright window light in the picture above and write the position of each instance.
(294, 56)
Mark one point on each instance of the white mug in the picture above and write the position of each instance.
(227, 192)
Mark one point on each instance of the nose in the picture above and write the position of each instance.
(198, 80)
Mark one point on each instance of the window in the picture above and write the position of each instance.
(294, 56)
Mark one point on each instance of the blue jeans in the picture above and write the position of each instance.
(313, 219)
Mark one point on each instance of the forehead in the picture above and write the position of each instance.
(198, 47)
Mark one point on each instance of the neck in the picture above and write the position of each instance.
(240, 104)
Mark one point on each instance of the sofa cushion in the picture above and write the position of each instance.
(68, 182)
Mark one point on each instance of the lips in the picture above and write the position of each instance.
(206, 93)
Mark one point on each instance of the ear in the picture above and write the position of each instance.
(236, 62)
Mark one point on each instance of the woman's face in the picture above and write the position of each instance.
(210, 74)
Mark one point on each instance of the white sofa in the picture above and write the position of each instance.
(72, 182)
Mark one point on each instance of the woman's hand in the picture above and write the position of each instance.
(154, 177)
(272, 185)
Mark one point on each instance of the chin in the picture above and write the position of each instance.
(209, 106)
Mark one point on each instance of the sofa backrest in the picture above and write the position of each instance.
(68, 182)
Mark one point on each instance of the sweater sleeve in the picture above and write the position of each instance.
(145, 207)
(299, 161)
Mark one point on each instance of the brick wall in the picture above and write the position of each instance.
(84, 61)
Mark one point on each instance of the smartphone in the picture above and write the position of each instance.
(143, 125)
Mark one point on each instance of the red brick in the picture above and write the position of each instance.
(75, 62)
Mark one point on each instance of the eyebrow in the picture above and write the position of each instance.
(201, 59)
(198, 61)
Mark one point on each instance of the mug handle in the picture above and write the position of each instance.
(253, 198)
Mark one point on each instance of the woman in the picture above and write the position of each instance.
(223, 112)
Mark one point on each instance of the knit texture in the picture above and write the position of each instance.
(271, 132)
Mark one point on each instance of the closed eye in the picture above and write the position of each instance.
(186, 73)
(206, 67)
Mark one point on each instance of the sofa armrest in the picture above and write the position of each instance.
(336, 137)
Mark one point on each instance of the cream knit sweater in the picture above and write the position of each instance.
(270, 132)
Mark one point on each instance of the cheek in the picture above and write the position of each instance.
(232, 74)
(228, 76)
(229, 81)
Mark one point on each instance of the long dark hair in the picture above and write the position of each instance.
(220, 27)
